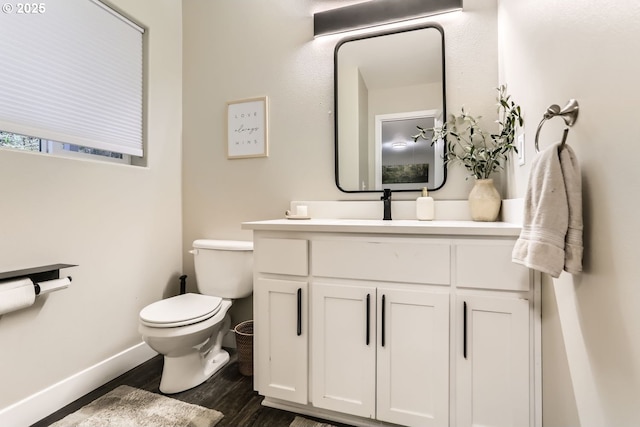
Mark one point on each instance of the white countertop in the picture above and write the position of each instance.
(371, 226)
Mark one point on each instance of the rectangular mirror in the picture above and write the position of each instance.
(387, 84)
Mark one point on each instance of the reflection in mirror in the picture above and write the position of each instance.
(386, 85)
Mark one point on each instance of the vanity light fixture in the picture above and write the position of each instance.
(378, 12)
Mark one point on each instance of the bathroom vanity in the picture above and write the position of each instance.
(405, 322)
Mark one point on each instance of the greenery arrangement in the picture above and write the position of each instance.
(478, 151)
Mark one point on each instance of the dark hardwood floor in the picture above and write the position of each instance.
(227, 391)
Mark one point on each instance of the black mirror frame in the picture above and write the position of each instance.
(335, 98)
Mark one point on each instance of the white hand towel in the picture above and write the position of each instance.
(551, 236)
(573, 246)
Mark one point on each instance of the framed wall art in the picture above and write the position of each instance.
(247, 128)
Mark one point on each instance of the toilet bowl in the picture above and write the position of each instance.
(188, 329)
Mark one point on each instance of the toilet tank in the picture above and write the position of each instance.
(224, 268)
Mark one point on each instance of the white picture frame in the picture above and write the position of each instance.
(438, 147)
(247, 123)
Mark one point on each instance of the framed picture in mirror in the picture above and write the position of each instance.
(401, 163)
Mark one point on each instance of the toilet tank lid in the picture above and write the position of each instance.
(225, 245)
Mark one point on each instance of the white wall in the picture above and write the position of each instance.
(551, 51)
(120, 224)
(235, 50)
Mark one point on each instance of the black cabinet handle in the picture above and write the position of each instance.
(464, 330)
(299, 311)
(383, 319)
(368, 318)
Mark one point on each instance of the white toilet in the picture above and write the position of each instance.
(188, 329)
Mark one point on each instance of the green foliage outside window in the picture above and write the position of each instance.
(21, 142)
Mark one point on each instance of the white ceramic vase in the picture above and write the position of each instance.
(484, 201)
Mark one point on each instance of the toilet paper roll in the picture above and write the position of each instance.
(54, 285)
(16, 294)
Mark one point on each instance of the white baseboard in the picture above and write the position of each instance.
(47, 401)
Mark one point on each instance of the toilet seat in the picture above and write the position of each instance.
(180, 310)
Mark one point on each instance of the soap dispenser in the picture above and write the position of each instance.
(425, 206)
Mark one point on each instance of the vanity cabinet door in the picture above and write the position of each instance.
(493, 362)
(413, 357)
(343, 345)
(281, 332)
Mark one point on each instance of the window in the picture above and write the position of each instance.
(20, 142)
(72, 73)
(28, 143)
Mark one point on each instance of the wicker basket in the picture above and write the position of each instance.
(244, 343)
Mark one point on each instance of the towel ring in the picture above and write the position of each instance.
(569, 114)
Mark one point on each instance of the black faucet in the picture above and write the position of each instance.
(386, 201)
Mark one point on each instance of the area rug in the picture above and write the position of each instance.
(131, 407)
(303, 422)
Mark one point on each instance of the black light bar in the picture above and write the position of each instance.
(378, 12)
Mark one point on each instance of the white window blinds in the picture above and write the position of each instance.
(73, 73)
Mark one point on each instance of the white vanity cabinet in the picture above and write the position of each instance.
(494, 342)
(281, 319)
(379, 322)
(493, 362)
(380, 353)
(375, 324)
(413, 358)
(343, 346)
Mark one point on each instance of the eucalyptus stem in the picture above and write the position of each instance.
(479, 152)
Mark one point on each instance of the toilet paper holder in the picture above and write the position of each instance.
(47, 286)
(37, 274)
(20, 288)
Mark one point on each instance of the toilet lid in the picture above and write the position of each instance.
(180, 310)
